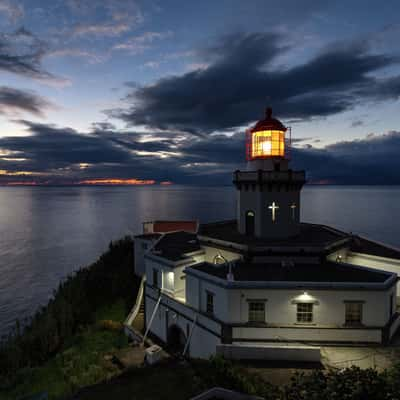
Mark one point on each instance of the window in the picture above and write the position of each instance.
(353, 313)
(256, 311)
(155, 277)
(209, 303)
(304, 313)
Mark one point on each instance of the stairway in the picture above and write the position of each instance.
(135, 318)
(138, 322)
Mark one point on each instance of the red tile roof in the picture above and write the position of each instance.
(170, 226)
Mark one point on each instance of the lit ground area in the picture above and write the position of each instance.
(332, 358)
(364, 357)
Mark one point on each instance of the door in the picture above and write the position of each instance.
(250, 223)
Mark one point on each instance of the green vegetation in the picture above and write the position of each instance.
(176, 380)
(81, 363)
(67, 332)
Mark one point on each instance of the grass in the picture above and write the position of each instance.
(80, 363)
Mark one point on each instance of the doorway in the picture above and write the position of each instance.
(250, 223)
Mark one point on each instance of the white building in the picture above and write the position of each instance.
(266, 277)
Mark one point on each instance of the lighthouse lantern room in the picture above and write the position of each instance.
(268, 191)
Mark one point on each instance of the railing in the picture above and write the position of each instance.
(269, 175)
(135, 309)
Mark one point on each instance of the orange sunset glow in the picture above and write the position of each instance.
(117, 181)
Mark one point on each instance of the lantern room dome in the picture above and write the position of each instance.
(269, 123)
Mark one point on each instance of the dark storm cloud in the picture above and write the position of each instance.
(49, 147)
(53, 154)
(21, 53)
(12, 100)
(56, 154)
(240, 79)
(372, 160)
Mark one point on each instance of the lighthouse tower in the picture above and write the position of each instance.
(268, 191)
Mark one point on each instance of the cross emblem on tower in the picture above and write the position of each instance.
(273, 207)
(293, 207)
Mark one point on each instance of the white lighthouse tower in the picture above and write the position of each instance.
(268, 191)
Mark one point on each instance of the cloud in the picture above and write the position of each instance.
(357, 123)
(138, 44)
(15, 100)
(54, 154)
(239, 79)
(22, 52)
(11, 10)
(116, 17)
(91, 57)
(113, 29)
(63, 155)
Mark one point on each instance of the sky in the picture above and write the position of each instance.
(149, 92)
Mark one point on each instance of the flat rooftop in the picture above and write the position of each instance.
(173, 246)
(327, 272)
(362, 245)
(310, 235)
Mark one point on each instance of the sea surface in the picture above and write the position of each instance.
(48, 232)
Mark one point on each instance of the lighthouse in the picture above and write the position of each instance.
(268, 191)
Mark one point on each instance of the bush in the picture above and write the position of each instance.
(351, 383)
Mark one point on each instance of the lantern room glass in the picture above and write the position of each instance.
(269, 143)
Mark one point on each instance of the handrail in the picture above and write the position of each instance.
(135, 309)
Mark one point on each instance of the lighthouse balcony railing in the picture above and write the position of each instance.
(267, 176)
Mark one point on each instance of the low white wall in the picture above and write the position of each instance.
(243, 351)
(308, 334)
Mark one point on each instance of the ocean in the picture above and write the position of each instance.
(48, 232)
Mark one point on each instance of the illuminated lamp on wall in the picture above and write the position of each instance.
(305, 298)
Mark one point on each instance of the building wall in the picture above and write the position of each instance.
(196, 297)
(280, 308)
(259, 201)
(206, 332)
(165, 271)
(141, 246)
(328, 309)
